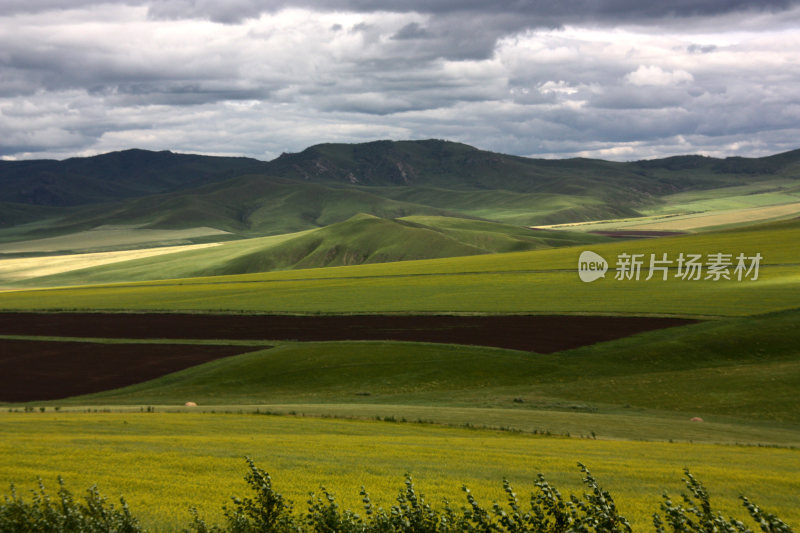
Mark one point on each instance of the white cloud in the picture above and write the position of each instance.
(655, 75)
(557, 87)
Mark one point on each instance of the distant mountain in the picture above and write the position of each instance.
(330, 183)
(113, 176)
(440, 163)
(435, 163)
(769, 165)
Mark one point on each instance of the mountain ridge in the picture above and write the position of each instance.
(112, 176)
(137, 172)
(328, 183)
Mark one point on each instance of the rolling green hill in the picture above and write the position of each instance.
(539, 281)
(360, 239)
(744, 368)
(251, 205)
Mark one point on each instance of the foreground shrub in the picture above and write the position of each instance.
(549, 512)
(267, 511)
(699, 516)
(65, 514)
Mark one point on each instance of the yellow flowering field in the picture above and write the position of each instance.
(164, 463)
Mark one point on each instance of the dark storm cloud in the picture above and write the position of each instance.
(700, 49)
(541, 12)
(471, 28)
(627, 97)
(433, 6)
(618, 79)
(535, 12)
(412, 30)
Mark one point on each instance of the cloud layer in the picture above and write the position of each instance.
(612, 79)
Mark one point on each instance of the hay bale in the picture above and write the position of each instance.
(190, 404)
(696, 419)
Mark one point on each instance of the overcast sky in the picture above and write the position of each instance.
(612, 79)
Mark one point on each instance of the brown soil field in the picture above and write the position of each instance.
(47, 370)
(536, 333)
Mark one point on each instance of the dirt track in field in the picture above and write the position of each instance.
(45, 370)
(543, 334)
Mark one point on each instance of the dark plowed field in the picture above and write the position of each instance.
(43, 370)
(543, 334)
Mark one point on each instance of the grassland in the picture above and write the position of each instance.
(742, 369)
(110, 238)
(542, 281)
(705, 210)
(571, 419)
(741, 375)
(760, 194)
(163, 463)
(21, 268)
(722, 218)
(360, 239)
(509, 207)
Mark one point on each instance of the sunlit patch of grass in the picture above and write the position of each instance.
(543, 281)
(164, 463)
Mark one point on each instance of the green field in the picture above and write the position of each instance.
(360, 239)
(766, 193)
(625, 404)
(542, 281)
(164, 463)
(738, 369)
(112, 238)
(740, 374)
(707, 209)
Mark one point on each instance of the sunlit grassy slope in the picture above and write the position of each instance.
(110, 238)
(360, 239)
(771, 192)
(709, 209)
(543, 281)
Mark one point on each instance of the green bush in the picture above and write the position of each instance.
(549, 512)
(267, 511)
(65, 515)
(701, 518)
